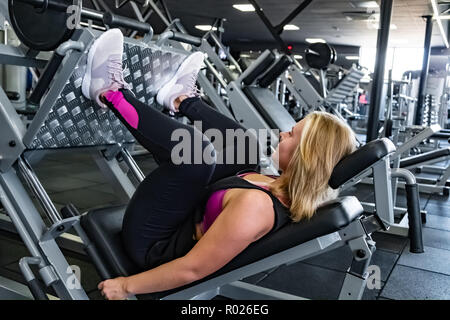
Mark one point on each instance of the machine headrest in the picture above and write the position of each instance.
(360, 160)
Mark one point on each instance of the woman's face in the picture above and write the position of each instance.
(287, 144)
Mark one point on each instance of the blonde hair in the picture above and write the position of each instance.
(325, 140)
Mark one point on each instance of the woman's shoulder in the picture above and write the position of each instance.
(252, 198)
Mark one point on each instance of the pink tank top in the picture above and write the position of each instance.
(213, 206)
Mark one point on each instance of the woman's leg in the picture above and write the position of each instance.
(149, 126)
(167, 197)
(169, 194)
(242, 154)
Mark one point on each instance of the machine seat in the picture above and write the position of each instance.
(430, 155)
(103, 227)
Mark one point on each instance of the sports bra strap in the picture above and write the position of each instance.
(282, 214)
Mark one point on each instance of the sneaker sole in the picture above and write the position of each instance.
(164, 90)
(87, 76)
(173, 81)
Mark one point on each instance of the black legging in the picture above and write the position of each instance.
(170, 193)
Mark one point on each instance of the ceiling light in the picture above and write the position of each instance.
(446, 17)
(291, 27)
(314, 40)
(439, 22)
(298, 57)
(245, 55)
(399, 41)
(392, 27)
(364, 4)
(205, 27)
(244, 7)
(352, 57)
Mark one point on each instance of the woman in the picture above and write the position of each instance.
(164, 202)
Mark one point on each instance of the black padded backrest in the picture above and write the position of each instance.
(271, 109)
(360, 160)
(275, 71)
(263, 65)
(103, 227)
(330, 217)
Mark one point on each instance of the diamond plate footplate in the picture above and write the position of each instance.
(75, 121)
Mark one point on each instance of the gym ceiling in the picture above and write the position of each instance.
(339, 22)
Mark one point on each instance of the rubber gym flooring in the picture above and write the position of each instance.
(70, 177)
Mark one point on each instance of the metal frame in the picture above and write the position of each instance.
(41, 239)
(378, 78)
(277, 30)
(418, 117)
(229, 285)
(44, 234)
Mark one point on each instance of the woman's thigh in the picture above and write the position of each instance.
(161, 203)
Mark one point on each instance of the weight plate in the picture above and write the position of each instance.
(335, 56)
(42, 29)
(319, 55)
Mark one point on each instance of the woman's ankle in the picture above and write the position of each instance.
(177, 102)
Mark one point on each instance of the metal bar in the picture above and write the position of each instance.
(418, 117)
(215, 59)
(380, 63)
(292, 15)
(239, 290)
(215, 73)
(15, 56)
(418, 138)
(132, 165)
(31, 228)
(118, 179)
(146, 16)
(302, 251)
(104, 6)
(383, 191)
(268, 24)
(12, 290)
(227, 53)
(159, 13)
(39, 191)
(92, 14)
(166, 10)
(216, 99)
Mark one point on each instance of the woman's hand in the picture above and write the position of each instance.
(114, 289)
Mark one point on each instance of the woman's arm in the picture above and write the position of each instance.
(246, 218)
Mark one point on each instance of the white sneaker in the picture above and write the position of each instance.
(104, 66)
(183, 82)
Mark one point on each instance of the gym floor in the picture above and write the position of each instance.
(74, 178)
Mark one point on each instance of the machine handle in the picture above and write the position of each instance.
(36, 290)
(114, 20)
(46, 78)
(275, 71)
(414, 218)
(185, 38)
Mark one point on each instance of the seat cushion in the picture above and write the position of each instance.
(103, 228)
(355, 163)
